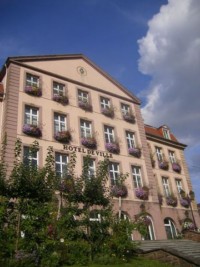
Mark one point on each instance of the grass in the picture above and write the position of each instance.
(138, 262)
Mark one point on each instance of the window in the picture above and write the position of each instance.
(114, 172)
(159, 153)
(165, 182)
(125, 109)
(130, 138)
(32, 80)
(172, 156)
(109, 134)
(30, 157)
(166, 133)
(105, 103)
(60, 122)
(86, 128)
(61, 161)
(58, 89)
(31, 115)
(91, 167)
(170, 228)
(179, 185)
(83, 96)
(137, 177)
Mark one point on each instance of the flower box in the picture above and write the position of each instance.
(185, 202)
(134, 151)
(176, 167)
(61, 99)
(32, 130)
(109, 112)
(119, 191)
(129, 117)
(63, 136)
(164, 165)
(113, 147)
(85, 105)
(142, 193)
(171, 201)
(33, 90)
(89, 142)
(188, 225)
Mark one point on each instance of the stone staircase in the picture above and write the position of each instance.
(176, 252)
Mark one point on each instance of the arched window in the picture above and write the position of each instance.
(150, 235)
(170, 228)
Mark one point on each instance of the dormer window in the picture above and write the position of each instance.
(166, 133)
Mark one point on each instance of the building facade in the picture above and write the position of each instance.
(71, 104)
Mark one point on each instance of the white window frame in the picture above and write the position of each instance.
(31, 115)
(137, 176)
(109, 134)
(114, 172)
(91, 167)
(58, 88)
(83, 96)
(32, 80)
(60, 122)
(130, 138)
(172, 156)
(159, 153)
(62, 163)
(105, 102)
(179, 185)
(166, 187)
(166, 133)
(86, 128)
(125, 109)
(31, 157)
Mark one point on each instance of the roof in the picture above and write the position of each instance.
(156, 134)
(21, 60)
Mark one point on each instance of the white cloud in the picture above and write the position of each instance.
(170, 54)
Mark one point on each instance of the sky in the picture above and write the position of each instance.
(152, 47)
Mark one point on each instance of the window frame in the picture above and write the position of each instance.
(130, 140)
(30, 158)
(81, 97)
(62, 125)
(136, 172)
(109, 135)
(61, 92)
(86, 131)
(62, 164)
(114, 172)
(125, 111)
(172, 156)
(166, 186)
(179, 186)
(31, 115)
(159, 153)
(31, 82)
(105, 102)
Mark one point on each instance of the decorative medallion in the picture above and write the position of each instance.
(81, 71)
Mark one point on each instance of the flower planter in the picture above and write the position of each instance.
(185, 202)
(109, 112)
(32, 130)
(61, 99)
(176, 167)
(142, 193)
(136, 152)
(164, 165)
(89, 142)
(85, 105)
(187, 225)
(113, 148)
(171, 201)
(129, 117)
(119, 191)
(33, 90)
(63, 136)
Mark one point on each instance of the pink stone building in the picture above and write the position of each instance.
(68, 102)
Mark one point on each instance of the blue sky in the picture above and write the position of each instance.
(152, 47)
